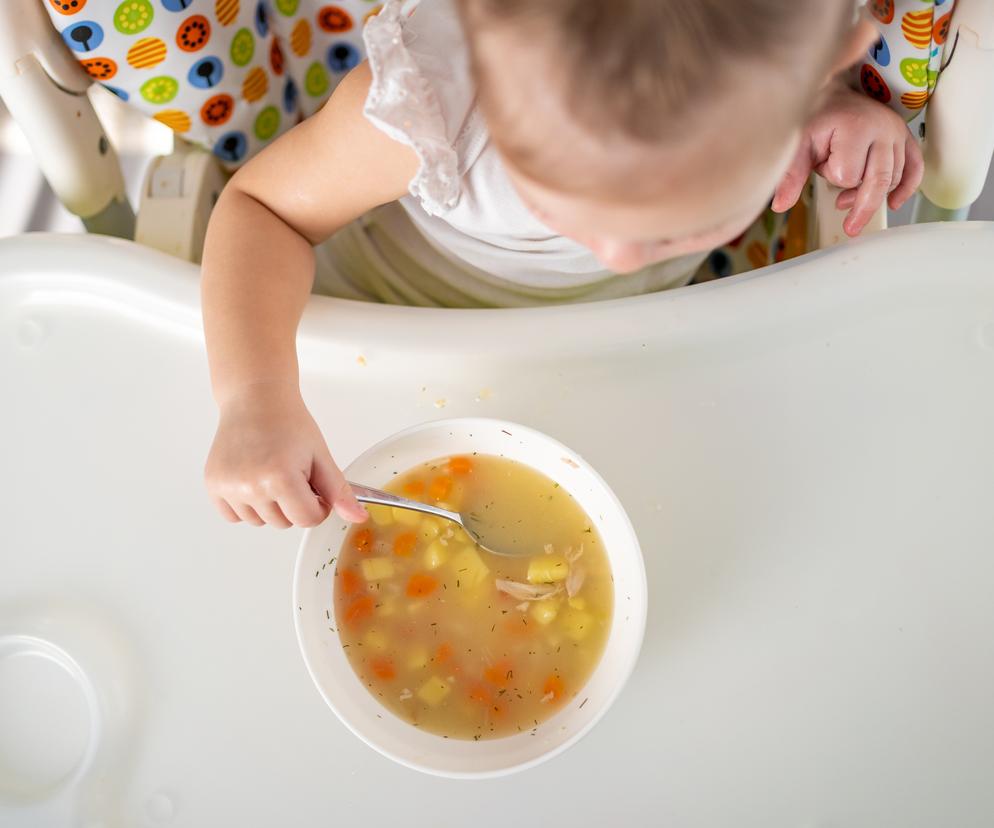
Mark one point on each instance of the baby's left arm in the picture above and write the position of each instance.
(861, 145)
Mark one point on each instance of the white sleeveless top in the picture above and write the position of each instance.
(463, 236)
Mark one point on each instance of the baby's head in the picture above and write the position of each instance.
(646, 129)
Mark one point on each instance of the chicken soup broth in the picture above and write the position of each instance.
(460, 642)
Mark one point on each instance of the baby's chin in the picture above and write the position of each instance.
(624, 266)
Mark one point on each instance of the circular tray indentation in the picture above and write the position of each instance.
(48, 719)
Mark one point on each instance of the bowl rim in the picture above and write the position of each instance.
(637, 634)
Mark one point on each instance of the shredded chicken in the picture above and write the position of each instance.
(548, 549)
(406, 694)
(572, 556)
(547, 697)
(574, 580)
(527, 592)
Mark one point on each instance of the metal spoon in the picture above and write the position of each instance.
(471, 524)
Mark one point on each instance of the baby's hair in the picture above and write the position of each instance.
(638, 66)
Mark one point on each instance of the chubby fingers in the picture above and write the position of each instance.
(872, 190)
(792, 184)
(278, 499)
(911, 173)
(329, 482)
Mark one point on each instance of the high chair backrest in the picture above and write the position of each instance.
(45, 91)
(44, 88)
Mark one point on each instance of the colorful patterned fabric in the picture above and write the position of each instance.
(902, 67)
(772, 238)
(230, 75)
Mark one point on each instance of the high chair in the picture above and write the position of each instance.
(805, 452)
(45, 91)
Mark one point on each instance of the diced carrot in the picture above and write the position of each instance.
(414, 488)
(404, 544)
(421, 586)
(383, 669)
(363, 541)
(554, 685)
(359, 609)
(443, 653)
(499, 673)
(349, 580)
(440, 487)
(479, 692)
(460, 465)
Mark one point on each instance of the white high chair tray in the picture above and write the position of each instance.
(807, 455)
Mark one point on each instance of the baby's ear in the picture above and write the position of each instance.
(855, 43)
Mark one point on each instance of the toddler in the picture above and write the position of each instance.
(512, 152)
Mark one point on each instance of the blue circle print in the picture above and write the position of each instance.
(206, 73)
(177, 5)
(119, 92)
(231, 146)
(720, 263)
(880, 52)
(290, 96)
(343, 56)
(83, 36)
(261, 19)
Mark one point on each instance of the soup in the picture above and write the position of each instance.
(460, 642)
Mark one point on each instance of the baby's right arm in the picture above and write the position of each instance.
(269, 462)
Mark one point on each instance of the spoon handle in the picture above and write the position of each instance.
(366, 494)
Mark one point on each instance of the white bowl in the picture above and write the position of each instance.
(395, 738)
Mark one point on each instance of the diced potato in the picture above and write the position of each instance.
(459, 536)
(418, 659)
(429, 528)
(545, 569)
(469, 566)
(577, 624)
(545, 612)
(376, 569)
(405, 517)
(434, 691)
(380, 515)
(436, 555)
(578, 603)
(375, 640)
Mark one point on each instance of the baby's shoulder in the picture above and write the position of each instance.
(422, 92)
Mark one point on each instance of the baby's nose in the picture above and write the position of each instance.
(621, 257)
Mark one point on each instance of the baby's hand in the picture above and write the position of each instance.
(270, 464)
(859, 144)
